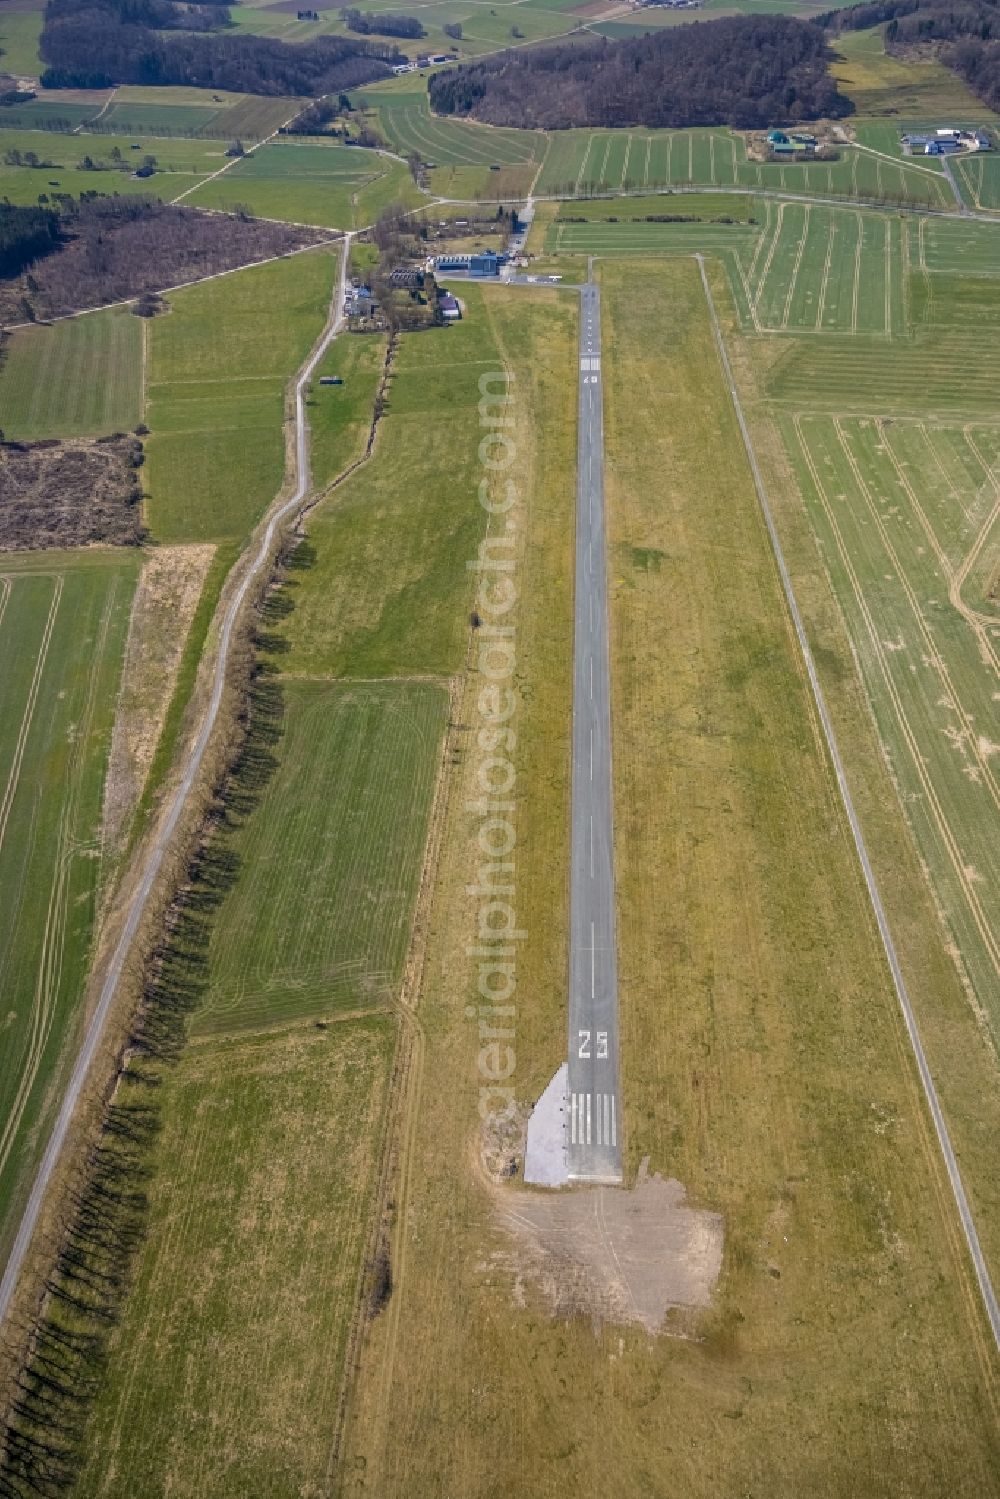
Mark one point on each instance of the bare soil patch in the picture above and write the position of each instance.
(612, 1255)
(68, 494)
(165, 600)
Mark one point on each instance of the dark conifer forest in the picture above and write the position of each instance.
(746, 71)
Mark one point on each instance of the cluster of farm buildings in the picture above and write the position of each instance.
(946, 142)
(425, 60)
(791, 143)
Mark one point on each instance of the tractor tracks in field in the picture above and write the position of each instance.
(962, 1208)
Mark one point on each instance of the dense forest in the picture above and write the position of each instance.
(26, 234)
(98, 43)
(964, 33)
(746, 71)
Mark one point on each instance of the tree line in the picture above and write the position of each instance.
(385, 23)
(965, 33)
(744, 71)
(101, 43)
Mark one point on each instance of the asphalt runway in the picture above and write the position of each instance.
(593, 1101)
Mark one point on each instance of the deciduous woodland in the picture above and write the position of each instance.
(746, 71)
(97, 43)
(109, 249)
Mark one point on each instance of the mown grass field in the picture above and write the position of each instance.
(387, 540)
(469, 160)
(821, 270)
(320, 918)
(219, 364)
(581, 162)
(81, 377)
(63, 620)
(180, 164)
(339, 187)
(224, 1375)
(19, 33)
(340, 416)
(978, 178)
(194, 111)
(907, 514)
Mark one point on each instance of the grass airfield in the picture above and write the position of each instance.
(314, 1113)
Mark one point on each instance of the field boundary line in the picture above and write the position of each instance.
(14, 774)
(825, 279)
(980, 1267)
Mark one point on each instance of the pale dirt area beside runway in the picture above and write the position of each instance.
(614, 1255)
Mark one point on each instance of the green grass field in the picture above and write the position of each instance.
(978, 178)
(81, 377)
(468, 160)
(821, 270)
(219, 364)
(63, 619)
(580, 162)
(340, 416)
(194, 111)
(224, 1375)
(320, 919)
(180, 164)
(19, 33)
(387, 540)
(906, 513)
(336, 186)
(646, 239)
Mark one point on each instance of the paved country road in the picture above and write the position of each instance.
(157, 852)
(593, 1103)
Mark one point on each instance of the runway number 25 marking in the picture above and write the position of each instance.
(602, 1046)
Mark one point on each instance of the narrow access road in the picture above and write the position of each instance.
(158, 850)
(593, 1099)
(902, 994)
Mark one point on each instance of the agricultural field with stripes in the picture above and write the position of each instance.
(907, 516)
(63, 619)
(81, 377)
(578, 163)
(821, 270)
